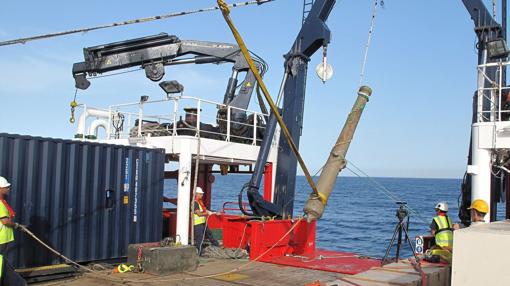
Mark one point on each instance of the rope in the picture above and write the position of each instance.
(369, 40)
(27, 231)
(225, 11)
(232, 270)
(383, 189)
(128, 22)
(68, 260)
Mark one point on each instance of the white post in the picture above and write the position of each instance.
(183, 192)
(254, 142)
(480, 170)
(140, 119)
(228, 123)
(176, 106)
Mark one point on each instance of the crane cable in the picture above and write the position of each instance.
(242, 46)
(369, 41)
(128, 22)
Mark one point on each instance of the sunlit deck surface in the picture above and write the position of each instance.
(257, 273)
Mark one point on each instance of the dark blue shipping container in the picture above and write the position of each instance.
(86, 200)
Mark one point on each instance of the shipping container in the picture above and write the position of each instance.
(86, 200)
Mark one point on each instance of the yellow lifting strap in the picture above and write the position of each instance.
(226, 11)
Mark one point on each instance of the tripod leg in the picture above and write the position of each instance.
(410, 244)
(391, 244)
(399, 241)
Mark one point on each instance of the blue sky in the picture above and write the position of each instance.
(421, 67)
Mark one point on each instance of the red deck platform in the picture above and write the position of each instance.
(331, 261)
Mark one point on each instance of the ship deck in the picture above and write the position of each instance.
(257, 273)
(220, 272)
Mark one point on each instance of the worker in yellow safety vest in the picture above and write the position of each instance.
(8, 276)
(200, 229)
(442, 227)
(7, 224)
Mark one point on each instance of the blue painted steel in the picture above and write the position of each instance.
(87, 200)
(313, 35)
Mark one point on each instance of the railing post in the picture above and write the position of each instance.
(480, 95)
(254, 128)
(176, 106)
(140, 119)
(228, 122)
(109, 128)
(499, 98)
(198, 117)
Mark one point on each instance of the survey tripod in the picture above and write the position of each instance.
(402, 226)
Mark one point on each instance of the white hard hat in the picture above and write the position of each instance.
(199, 190)
(4, 183)
(442, 206)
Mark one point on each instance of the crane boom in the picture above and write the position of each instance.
(154, 52)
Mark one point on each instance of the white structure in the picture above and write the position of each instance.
(481, 255)
(180, 138)
(490, 133)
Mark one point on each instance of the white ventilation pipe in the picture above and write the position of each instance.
(90, 112)
(95, 126)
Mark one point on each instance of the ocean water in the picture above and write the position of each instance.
(359, 217)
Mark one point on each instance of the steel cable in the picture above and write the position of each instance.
(128, 22)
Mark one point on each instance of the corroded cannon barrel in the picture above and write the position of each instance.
(314, 207)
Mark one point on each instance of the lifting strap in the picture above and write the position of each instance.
(226, 11)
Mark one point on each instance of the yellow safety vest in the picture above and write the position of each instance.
(196, 218)
(6, 233)
(444, 232)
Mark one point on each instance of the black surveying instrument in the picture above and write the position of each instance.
(402, 226)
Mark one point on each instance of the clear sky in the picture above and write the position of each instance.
(421, 67)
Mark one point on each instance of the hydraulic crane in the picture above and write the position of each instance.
(153, 53)
(313, 35)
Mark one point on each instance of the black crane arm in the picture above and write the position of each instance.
(154, 52)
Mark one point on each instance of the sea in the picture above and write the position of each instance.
(361, 213)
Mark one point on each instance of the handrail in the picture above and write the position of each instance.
(169, 124)
(491, 100)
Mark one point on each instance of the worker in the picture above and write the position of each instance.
(200, 229)
(442, 227)
(7, 223)
(479, 208)
(8, 276)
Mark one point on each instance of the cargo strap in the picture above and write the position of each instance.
(244, 50)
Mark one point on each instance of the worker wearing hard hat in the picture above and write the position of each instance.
(479, 208)
(442, 226)
(200, 229)
(7, 223)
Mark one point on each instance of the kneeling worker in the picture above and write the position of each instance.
(200, 229)
(442, 227)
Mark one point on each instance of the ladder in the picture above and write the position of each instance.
(307, 7)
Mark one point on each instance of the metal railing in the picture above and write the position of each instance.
(493, 103)
(200, 117)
